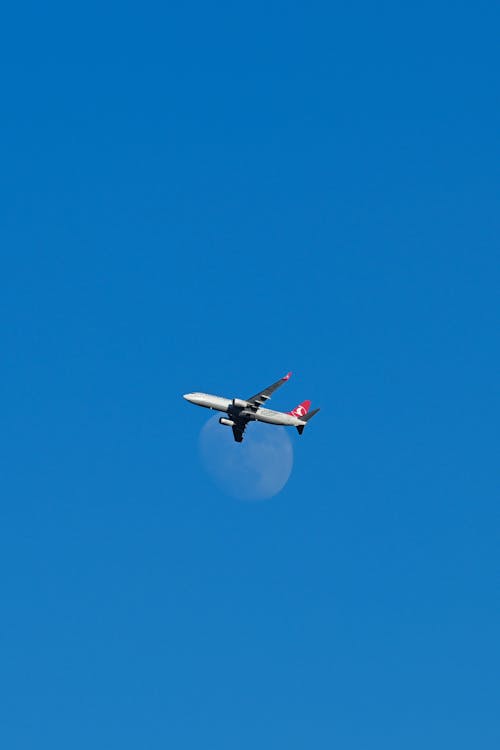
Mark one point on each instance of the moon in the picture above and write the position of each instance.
(255, 469)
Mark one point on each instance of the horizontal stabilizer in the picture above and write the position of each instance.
(310, 415)
(306, 418)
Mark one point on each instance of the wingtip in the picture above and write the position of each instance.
(287, 376)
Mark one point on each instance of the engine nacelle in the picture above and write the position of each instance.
(228, 422)
(239, 403)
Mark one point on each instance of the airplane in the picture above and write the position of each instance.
(240, 412)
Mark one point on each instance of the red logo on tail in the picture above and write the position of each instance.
(300, 410)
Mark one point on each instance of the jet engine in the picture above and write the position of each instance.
(238, 403)
(228, 422)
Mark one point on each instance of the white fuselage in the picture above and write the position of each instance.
(218, 403)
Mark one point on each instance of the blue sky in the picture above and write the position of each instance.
(204, 199)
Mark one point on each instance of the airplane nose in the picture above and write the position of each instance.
(188, 397)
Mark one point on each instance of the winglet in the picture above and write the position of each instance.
(287, 376)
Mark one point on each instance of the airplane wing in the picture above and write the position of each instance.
(238, 429)
(260, 398)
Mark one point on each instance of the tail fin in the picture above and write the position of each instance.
(301, 410)
(306, 418)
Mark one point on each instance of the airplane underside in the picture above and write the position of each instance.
(238, 420)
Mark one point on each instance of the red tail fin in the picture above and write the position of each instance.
(300, 410)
